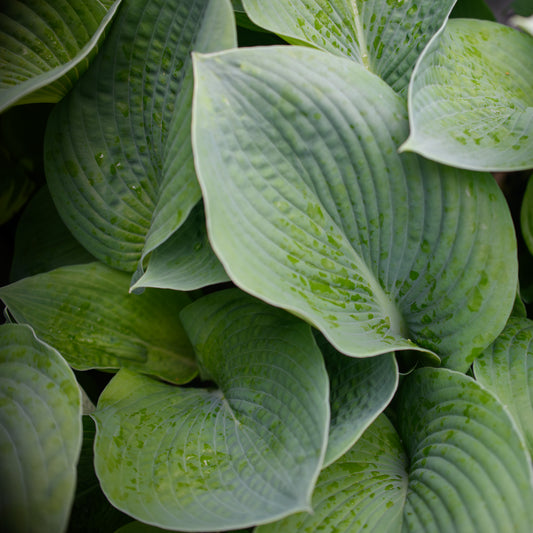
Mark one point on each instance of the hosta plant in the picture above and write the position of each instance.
(277, 274)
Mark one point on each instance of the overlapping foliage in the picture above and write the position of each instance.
(283, 272)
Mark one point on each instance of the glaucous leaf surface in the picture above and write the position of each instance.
(185, 261)
(360, 389)
(42, 241)
(364, 490)
(243, 451)
(86, 313)
(471, 98)
(40, 433)
(310, 207)
(457, 463)
(118, 157)
(386, 36)
(506, 369)
(526, 215)
(47, 45)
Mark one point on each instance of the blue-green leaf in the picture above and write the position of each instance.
(244, 449)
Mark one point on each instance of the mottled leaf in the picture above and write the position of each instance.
(244, 451)
(310, 207)
(360, 389)
(470, 98)
(386, 36)
(458, 463)
(117, 150)
(506, 369)
(86, 313)
(46, 46)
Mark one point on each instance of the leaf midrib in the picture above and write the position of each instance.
(360, 34)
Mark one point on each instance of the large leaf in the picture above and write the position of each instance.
(526, 215)
(243, 452)
(470, 98)
(360, 390)
(46, 46)
(117, 150)
(42, 241)
(310, 207)
(386, 37)
(40, 433)
(86, 313)
(185, 261)
(506, 368)
(457, 464)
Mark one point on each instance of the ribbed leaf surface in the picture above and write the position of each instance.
(117, 150)
(245, 451)
(458, 463)
(360, 390)
(506, 369)
(185, 261)
(470, 98)
(386, 37)
(310, 207)
(40, 433)
(86, 313)
(47, 45)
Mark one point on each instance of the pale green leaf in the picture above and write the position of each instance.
(458, 463)
(86, 313)
(45, 46)
(471, 98)
(360, 390)
(386, 36)
(118, 157)
(506, 369)
(364, 490)
(40, 433)
(310, 207)
(469, 468)
(244, 451)
(42, 241)
(526, 215)
(185, 261)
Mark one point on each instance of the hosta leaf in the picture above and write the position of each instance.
(364, 490)
(385, 36)
(40, 433)
(185, 261)
(506, 368)
(463, 468)
(310, 207)
(241, 453)
(469, 470)
(470, 98)
(91, 511)
(526, 215)
(15, 189)
(42, 241)
(360, 390)
(86, 313)
(117, 149)
(45, 46)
